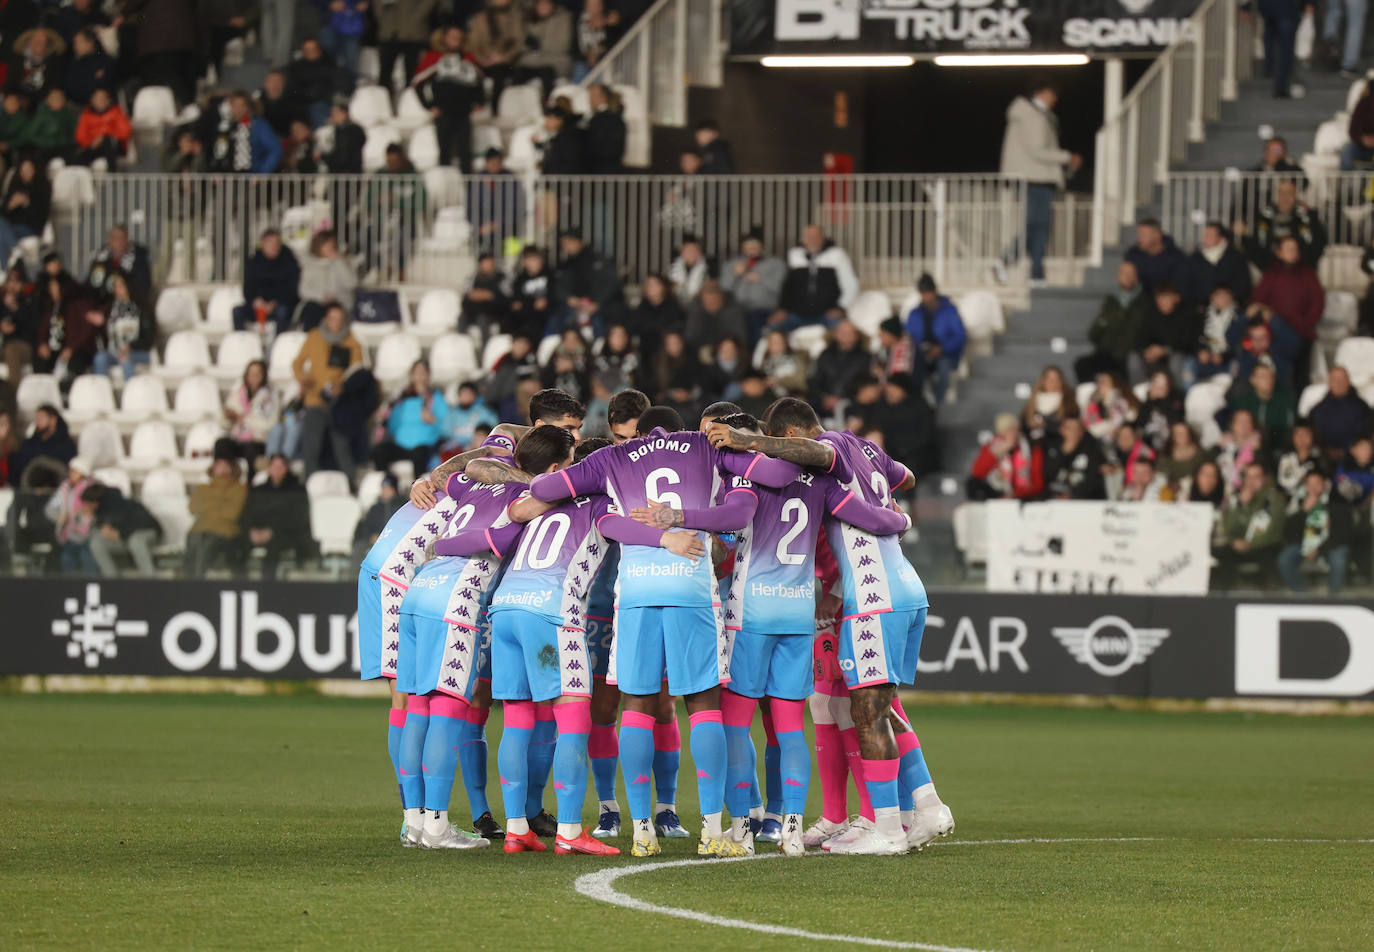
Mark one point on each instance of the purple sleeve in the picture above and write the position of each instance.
(449, 487)
(764, 470)
(620, 528)
(839, 463)
(580, 479)
(733, 513)
(472, 541)
(894, 472)
(844, 505)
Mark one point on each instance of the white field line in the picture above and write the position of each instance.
(600, 886)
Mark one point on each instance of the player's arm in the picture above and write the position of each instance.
(794, 449)
(501, 442)
(493, 472)
(618, 528)
(580, 479)
(734, 513)
(764, 470)
(844, 505)
(899, 478)
(500, 540)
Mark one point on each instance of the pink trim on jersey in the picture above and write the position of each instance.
(881, 611)
(869, 684)
(397, 717)
(389, 674)
(393, 581)
(834, 458)
(637, 719)
(597, 618)
(487, 532)
(519, 714)
(840, 504)
(567, 480)
(461, 624)
(752, 463)
(743, 489)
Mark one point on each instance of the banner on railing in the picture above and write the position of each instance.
(1141, 548)
(1118, 27)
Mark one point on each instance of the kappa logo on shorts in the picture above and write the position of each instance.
(94, 627)
(868, 655)
(394, 592)
(859, 543)
(873, 599)
(865, 562)
(473, 580)
(432, 528)
(872, 672)
(869, 580)
(574, 665)
(575, 683)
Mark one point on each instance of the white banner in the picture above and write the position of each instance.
(1139, 548)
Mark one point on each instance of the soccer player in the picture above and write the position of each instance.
(771, 610)
(666, 617)
(883, 615)
(438, 659)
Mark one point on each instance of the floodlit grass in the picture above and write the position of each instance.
(271, 822)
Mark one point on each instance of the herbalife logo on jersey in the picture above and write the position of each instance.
(94, 627)
(1110, 645)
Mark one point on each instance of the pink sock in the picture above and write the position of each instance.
(418, 704)
(850, 737)
(907, 742)
(667, 737)
(397, 717)
(544, 712)
(735, 710)
(478, 715)
(834, 772)
(601, 742)
(770, 736)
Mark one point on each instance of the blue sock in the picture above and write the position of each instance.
(541, 762)
(570, 760)
(667, 761)
(605, 756)
(396, 721)
(794, 772)
(440, 759)
(636, 762)
(755, 794)
(772, 782)
(472, 757)
(513, 756)
(880, 777)
(413, 758)
(911, 774)
(740, 778)
(708, 753)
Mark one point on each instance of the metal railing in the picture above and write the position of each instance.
(673, 45)
(426, 229)
(1167, 109)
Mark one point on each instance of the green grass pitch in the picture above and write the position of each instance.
(138, 822)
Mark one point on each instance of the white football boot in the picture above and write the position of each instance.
(858, 826)
(822, 830)
(451, 838)
(869, 842)
(791, 841)
(931, 822)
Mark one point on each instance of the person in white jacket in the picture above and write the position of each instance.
(1030, 150)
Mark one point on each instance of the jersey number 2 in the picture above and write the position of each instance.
(793, 510)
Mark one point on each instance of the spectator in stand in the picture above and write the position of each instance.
(402, 32)
(225, 20)
(35, 65)
(1168, 337)
(1146, 484)
(1073, 463)
(216, 534)
(1251, 529)
(68, 329)
(298, 151)
(518, 366)
(1303, 456)
(121, 527)
(1157, 259)
(1354, 482)
(103, 132)
(1241, 444)
(1051, 401)
(908, 424)
(1125, 450)
(18, 323)
(72, 521)
(1163, 407)
(1281, 19)
(1205, 486)
(1216, 262)
(584, 316)
(1255, 195)
(464, 417)
(313, 80)
(1008, 466)
(896, 352)
(1341, 415)
(326, 279)
(276, 516)
(1223, 330)
(548, 44)
(568, 367)
(49, 439)
(345, 156)
(721, 380)
(1286, 217)
(251, 411)
(495, 41)
(678, 373)
(1258, 347)
(484, 304)
(865, 405)
(1291, 300)
(341, 32)
(14, 123)
(713, 317)
(690, 270)
(1111, 405)
(120, 254)
(596, 29)
(1182, 455)
(716, 156)
(584, 273)
(496, 205)
(54, 132)
(1316, 527)
(845, 359)
(374, 521)
(253, 146)
(755, 281)
(278, 109)
(1349, 14)
(561, 148)
(604, 136)
(324, 359)
(1360, 148)
(24, 205)
(185, 155)
(9, 442)
(755, 397)
(1030, 150)
(1272, 407)
(938, 332)
(90, 67)
(271, 279)
(127, 333)
(614, 358)
(657, 313)
(450, 86)
(529, 295)
(1117, 327)
(76, 15)
(820, 284)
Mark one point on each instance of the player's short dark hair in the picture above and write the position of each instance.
(625, 406)
(656, 417)
(742, 421)
(543, 446)
(552, 405)
(589, 446)
(790, 412)
(722, 408)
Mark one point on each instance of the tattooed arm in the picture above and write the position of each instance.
(494, 471)
(794, 449)
(422, 491)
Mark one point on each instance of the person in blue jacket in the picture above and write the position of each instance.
(938, 332)
(247, 129)
(415, 423)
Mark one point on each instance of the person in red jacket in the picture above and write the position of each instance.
(102, 132)
(1008, 466)
(1290, 289)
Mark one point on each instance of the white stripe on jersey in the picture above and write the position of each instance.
(871, 591)
(577, 584)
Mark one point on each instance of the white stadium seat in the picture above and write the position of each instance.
(1331, 137)
(197, 398)
(396, 354)
(523, 156)
(236, 352)
(423, 149)
(36, 390)
(100, 443)
(496, 348)
(370, 488)
(327, 482)
(90, 398)
(186, 353)
(370, 106)
(199, 448)
(485, 136)
(72, 188)
(284, 351)
(869, 310)
(219, 313)
(451, 230)
(374, 149)
(981, 312)
(153, 445)
(174, 516)
(437, 313)
(154, 108)
(116, 478)
(637, 128)
(164, 483)
(1312, 395)
(1356, 355)
(577, 96)
(143, 398)
(177, 310)
(519, 106)
(544, 352)
(810, 339)
(971, 532)
(444, 186)
(452, 359)
(332, 521)
(411, 113)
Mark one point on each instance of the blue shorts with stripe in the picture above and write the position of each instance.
(533, 658)
(771, 665)
(435, 655)
(881, 648)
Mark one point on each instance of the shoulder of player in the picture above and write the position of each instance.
(660, 441)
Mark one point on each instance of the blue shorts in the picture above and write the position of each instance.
(532, 658)
(377, 642)
(881, 648)
(683, 641)
(773, 665)
(437, 656)
(600, 635)
(484, 650)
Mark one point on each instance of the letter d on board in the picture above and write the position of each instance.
(1257, 650)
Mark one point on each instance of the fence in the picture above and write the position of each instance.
(424, 229)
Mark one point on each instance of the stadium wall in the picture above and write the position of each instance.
(1123, 646)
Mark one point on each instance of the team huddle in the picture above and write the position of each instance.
(750, 566)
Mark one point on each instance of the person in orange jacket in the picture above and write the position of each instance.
(103, 131)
